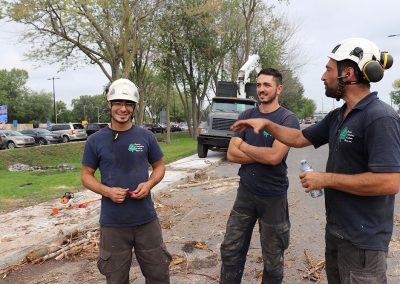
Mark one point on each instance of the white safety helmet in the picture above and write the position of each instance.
(369, 59)
(123, 89)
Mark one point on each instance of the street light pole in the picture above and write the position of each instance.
(54, 98)
(84, 112)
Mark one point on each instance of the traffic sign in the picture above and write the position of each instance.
(3, 114)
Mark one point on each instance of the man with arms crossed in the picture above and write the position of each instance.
(363, 168)
(262, 191)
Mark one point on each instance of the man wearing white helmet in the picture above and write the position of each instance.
(122, 153)
(363, 168)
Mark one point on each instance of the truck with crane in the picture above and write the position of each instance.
(230, 100)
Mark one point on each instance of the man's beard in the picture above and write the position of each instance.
(335, 93)
(268, 100)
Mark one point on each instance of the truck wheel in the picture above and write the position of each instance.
(202, 150)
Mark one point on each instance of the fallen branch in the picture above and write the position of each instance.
(195, 183)
(314, 270)
(60, 251)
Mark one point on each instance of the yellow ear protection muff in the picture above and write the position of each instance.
(373, 70)
(386, 60)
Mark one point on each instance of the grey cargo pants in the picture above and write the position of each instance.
(273, 217)
(116, 253)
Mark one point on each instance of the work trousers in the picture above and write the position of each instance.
(116, 253)
(273, 218)
(347, 264)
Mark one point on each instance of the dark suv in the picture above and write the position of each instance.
(42, 136)
(94, 127)
(155, 128)
(69, 131)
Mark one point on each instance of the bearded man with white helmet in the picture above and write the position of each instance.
(122, 153)
(363, 168)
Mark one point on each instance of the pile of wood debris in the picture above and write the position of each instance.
(66, 247)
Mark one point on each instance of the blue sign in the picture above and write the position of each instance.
(3, 114)
(15, 124)
(48, 123)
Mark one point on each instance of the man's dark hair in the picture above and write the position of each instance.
(272, 72)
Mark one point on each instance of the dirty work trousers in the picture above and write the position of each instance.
(347, 264)
(273, 218)
(116, 253)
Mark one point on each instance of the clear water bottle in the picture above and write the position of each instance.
(306, 167)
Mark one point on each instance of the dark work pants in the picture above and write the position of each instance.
(116, 253)
(273, 218)
(347, 264)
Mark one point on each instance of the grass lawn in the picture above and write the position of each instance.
(20, 189)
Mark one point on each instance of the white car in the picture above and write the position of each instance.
(11, 139)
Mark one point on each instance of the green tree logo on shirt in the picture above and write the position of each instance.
(343, 134)
(132, 148)
(266, 134)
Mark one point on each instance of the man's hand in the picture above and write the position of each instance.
(117, 194)
(256, 123)
(141, 191)
(312, 180)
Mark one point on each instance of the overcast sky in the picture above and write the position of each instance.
(321, 25)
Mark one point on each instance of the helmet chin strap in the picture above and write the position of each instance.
(341, 83)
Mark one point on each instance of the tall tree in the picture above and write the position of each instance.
(13, 91)
(189, 35)
(37, 108)
(84, 31)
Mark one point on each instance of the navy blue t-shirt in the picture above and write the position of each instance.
(367, 140)
(123, 162)
(261, 179)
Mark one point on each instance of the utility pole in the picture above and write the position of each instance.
(54, 98)
(84, 112)
(98, 114)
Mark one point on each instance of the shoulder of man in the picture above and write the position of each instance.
(247, 113)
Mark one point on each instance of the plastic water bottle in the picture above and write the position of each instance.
(306, 167)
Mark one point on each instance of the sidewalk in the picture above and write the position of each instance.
(33, 231)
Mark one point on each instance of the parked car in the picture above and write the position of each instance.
(308, 120)
(184, 126)
(69, 131)
(13, 139)
(175, 128)
(43, 136)
(155, 128)
(94, 127)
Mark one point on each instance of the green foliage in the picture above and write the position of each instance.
(13, 91)
(308, 108)
(90, 108)
(395, 95)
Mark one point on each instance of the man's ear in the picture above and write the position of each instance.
(279, 89)
(109, 104)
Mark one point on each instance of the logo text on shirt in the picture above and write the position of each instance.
(346, 135)
(136, 147)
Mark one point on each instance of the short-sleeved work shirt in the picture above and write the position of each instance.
(261, 179)
(123, 161)
(367, 140)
